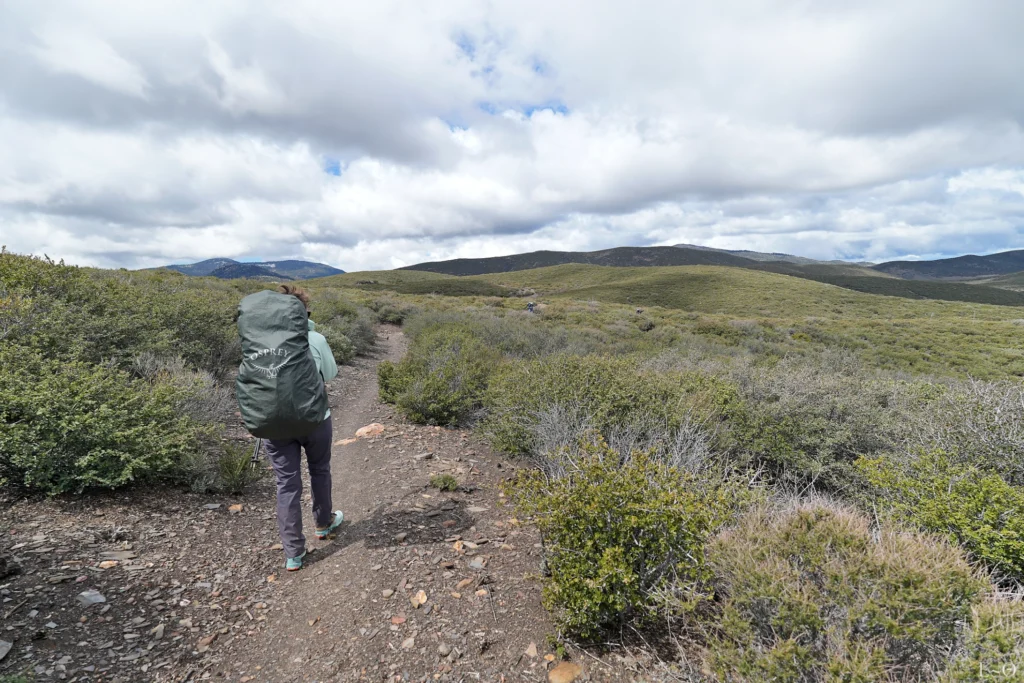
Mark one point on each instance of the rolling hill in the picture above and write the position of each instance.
(958, 268)
(619, 257)
(747, 292)
(774, 256)
(848, 276)
(226, 268)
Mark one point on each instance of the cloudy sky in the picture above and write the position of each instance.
(379, 134)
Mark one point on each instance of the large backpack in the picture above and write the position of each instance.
(280, 392)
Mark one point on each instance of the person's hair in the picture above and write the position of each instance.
(296, 291)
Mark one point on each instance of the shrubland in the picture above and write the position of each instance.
(795, 482)
(109, 378)
(853, 516)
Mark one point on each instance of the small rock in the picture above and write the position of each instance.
(387, 592)
(157, 632)
(8, 567)
(531, 650)
(50, 624)
(419, 599)
(476, 508)
(482, 593)
(444, 649)
(401, 537)
(108, 564)
(372, 429)
(420, 457)
(91, 597)
(5, 647)
(565, 672)
(345, 442)
(119, 555)
(409, 643)
(212, 506)
(204, 643)
(477, 563)
(235, 509)
(462, 584)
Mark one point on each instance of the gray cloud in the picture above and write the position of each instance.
(165, 131)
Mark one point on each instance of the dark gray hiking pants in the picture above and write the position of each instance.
(286, 459)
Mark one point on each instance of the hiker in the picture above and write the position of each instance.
(529, 307)
(282, 393)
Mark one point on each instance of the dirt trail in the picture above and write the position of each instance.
(191, 586)
(350, 613)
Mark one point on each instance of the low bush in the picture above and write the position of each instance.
(341, 346)
(993, 651)
(972, 507)
(808, 419)
(613, 394)
(624, 537)
(390, 311)
(69, 426)
(444, 482)
(813, 593)
(441, 379)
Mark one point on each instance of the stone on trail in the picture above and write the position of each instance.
(91, 597)
(419, 457)
(401, 537)
(409, 643)
(119, 555)
(372, 429)
(212, 506)
(235, 509)
(5, 647)
(566, 672)
(531, 651)
(345, 442)
(387, 592)
(419, 599)
(444, 649)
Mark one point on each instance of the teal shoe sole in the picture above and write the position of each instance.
(339, 517)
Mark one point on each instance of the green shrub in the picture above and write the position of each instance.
(442, 377)
(611, 393)
(813, 593)
(444, 482)
(234, 468)
(994, 647)
(807, 420)
(341, 346)
(970, 506)
(624, 539)
(68, 426)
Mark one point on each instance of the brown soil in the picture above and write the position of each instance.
(198, 593)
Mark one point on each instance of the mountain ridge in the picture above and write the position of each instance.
(229, 269)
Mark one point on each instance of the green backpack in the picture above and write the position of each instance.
(281, 394)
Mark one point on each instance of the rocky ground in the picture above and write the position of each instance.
(419, 584)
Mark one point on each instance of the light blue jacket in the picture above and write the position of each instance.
(323, 356)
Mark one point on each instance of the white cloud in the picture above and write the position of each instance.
(165, 131)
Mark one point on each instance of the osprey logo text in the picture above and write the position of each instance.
(272, 360)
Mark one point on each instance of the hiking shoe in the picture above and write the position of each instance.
(324, 532)
(294, 564)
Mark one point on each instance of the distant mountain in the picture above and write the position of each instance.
(249, 271)
(958, 268)
(773, 256)
(228, 269)
(620, 256)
